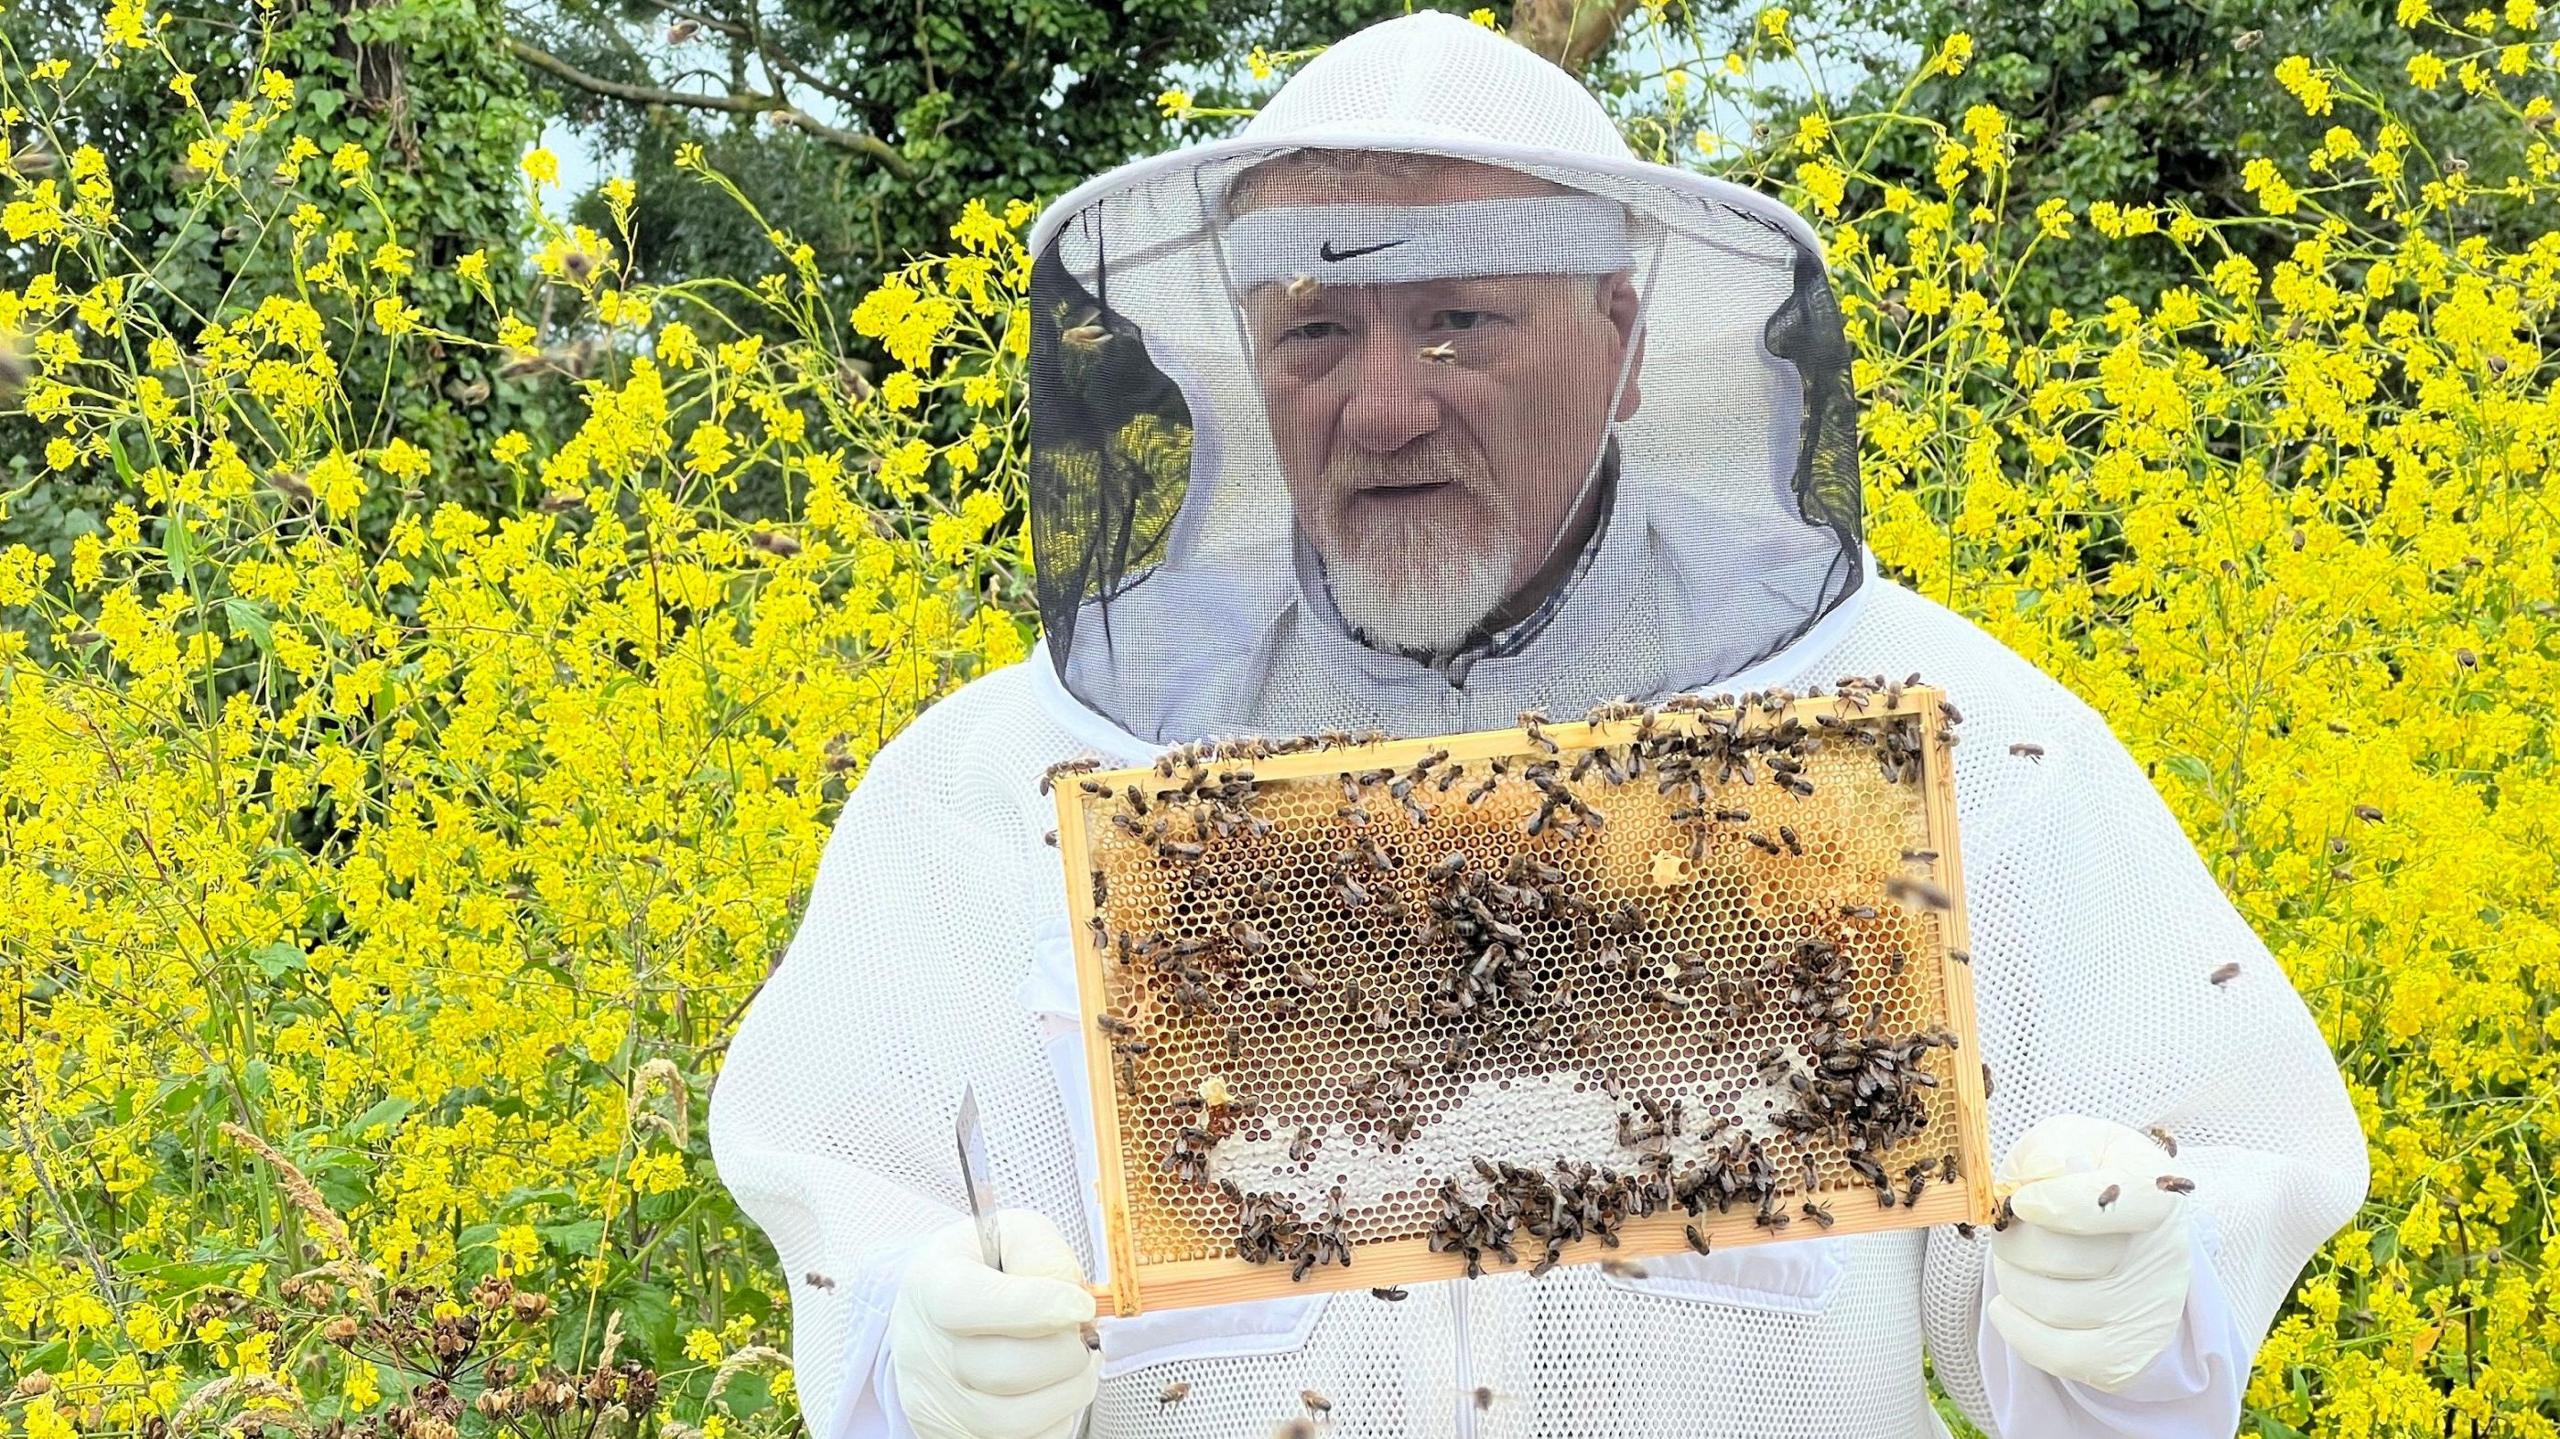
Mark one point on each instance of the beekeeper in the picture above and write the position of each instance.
(1418, 404)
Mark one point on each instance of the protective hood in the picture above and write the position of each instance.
(1422, 402)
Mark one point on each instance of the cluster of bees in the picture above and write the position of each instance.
(1864, 1089)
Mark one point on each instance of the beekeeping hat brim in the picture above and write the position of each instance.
(1190, 443)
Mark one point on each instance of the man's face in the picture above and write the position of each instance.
(1436, 434)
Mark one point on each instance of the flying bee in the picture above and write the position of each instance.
(1085, 337)
(2108, 1195)
(2176, 1184)
(1857, 911)
(2164, 1139)
(2028, 751)
(1301, 286)
(1316, 1403)
(815, 1280)
(1440, 354)
(1172, 1394)
(1916, 893)
(2225, 974)
(1618, 1268)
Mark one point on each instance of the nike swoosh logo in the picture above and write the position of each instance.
(1326, 251)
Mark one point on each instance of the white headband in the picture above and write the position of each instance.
(1395, 244)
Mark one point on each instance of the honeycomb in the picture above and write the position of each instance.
(1355, 986)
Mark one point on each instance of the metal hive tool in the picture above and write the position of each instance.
(1362, 1013)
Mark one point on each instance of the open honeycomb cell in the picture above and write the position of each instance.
(1342, 986)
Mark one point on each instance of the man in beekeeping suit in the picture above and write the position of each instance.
(1419, 404)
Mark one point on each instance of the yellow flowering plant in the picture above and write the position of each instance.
(2288, 526)
(377, 901)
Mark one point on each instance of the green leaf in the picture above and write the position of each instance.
(575, 1239)
(279, 959)
(179, 546)
(2189, 768)
(245, 620)
(386, 1114)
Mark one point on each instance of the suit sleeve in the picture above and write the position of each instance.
(2096, 936)
(831, 1120)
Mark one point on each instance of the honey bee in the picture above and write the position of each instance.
(1391, 1295)
(1091, 1333)
(1533, 722)
(2370, 814)
(2225, 974)
(2176, 1184)
(1794, 845)
(1050, 775)
(2108, 1195)
(1697, 1240)
(1916, 893)
(1113, 1025)
(1818, 1213)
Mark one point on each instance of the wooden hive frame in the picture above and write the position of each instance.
(1134, 1284)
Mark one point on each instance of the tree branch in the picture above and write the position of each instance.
(1572, 33)
(734, 104)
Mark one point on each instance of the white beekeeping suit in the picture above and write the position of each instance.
(1417, 404)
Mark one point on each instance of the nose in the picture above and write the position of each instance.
(1391, 403)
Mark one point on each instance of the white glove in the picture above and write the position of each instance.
(2090, 1292)
(987, 1354)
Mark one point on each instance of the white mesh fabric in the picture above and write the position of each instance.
(1426, 76)
(937, 910)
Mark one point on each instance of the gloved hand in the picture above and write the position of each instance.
(2089, 1292)
(987, 1354)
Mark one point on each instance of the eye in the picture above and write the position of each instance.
(1315, 330)
(1460, 319)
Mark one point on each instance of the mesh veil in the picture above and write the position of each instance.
(1241, 396)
